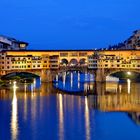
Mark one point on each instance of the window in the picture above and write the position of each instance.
(118, 65)
(63, 54)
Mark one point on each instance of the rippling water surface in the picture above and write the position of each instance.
(41, 112)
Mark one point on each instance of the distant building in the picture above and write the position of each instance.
(132, 43)
(7, 43)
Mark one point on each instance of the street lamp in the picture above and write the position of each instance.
(129, 73)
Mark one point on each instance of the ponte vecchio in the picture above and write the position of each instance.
(47, 63)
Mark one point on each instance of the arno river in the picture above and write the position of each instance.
(94, 111)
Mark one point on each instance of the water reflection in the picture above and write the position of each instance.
(48, 113)
(74, 81)
(128, 85)
(135, 116)
(14, 117)
(61, 117)
(87, 119)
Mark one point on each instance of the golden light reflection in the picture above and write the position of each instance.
(85, 87)
(120, 88)
(14, 117)
(112, 87)
(128, 86)
(61, 117)
(32, 90)
(87, 119)
(25, 101)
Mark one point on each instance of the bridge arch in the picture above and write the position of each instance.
(110, 72)
(73, 62)
(45, 75)
(82, 61)
(101, 74)
(21, 74)
(64, 62)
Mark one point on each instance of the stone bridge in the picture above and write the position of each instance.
(101, 73)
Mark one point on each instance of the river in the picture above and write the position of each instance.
(99, 111)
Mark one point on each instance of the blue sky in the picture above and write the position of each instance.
(69, 24)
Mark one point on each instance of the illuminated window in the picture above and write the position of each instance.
(22, 45)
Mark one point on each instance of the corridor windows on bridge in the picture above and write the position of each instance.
(81, 54)
(73, 54)
(63, 54)
(118, 65)
(106, 65)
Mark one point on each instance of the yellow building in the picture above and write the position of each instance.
(36, 59)
(124, 59)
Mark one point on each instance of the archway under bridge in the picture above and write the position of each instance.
(45, 75)
(102, 73)
(67, 72)
(133, 75)
(12, 75)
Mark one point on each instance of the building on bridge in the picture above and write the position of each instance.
(8, 43)
(33, 60)
(103, 63)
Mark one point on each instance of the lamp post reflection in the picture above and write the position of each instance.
(78, 81)
(64, 79)
(87, 119)
(14, 117)
(128, 86)
(71, 79)
(78, 76)
(25, 101)
(61, 117)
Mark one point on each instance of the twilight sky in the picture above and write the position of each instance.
(69, 24)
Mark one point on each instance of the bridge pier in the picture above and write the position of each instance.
(100, 88)
(100, 75)
(46, 76)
